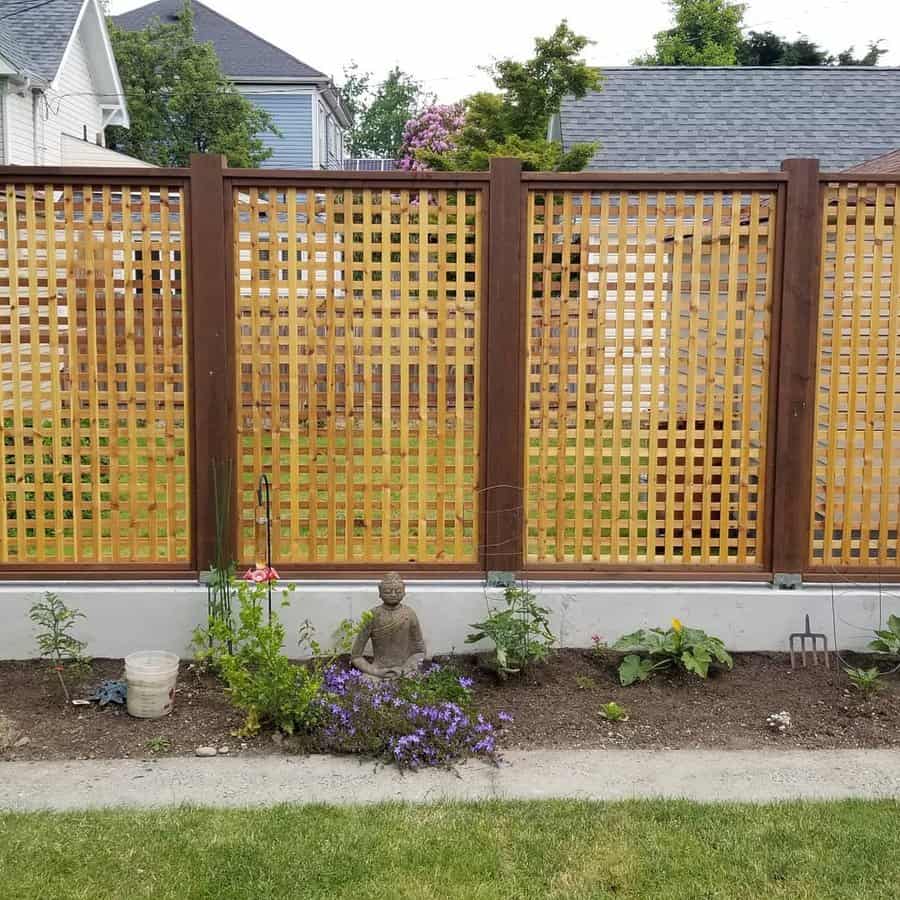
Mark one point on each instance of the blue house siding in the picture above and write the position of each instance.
(292, 114)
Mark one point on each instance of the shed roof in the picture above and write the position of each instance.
(735, 118)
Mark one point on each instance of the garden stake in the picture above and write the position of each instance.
(263, 499)
(814, 637)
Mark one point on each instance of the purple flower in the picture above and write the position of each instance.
(504, 717)
(466, 682)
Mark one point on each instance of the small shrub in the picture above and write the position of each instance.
(376, 719)
(598, 645)
(260, 679)
(866, 681)
(520, 632)
(652, 649)
(888, 640)
(612, 712)
(55, 640)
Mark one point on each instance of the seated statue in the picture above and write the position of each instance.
(398, 647)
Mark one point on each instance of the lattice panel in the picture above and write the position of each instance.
(92, 347)
(856, 485)
(359, 329)
(648, 375)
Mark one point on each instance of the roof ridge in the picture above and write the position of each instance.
(253, 34)
(736, 68)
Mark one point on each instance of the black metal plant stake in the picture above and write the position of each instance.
(264, 499)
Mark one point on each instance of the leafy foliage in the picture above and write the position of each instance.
(888, 640)
(866, 681)
(437, 684)
(260, 679)
(179, 100)
(710, 33)
(652, 649)
(55, 640)
(110, 692)
(380, 114)
(612, 712)
(513, 121)
(520, 631)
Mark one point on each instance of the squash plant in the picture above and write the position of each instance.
(652, 649)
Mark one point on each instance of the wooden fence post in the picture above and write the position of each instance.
(212, 342)
(503, 444)
(795, 403)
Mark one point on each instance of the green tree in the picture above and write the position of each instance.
(705, 33)
(180, 102)
(711, 33)
(379, 114)
(513, 122)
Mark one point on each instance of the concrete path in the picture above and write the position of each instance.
(589, 774)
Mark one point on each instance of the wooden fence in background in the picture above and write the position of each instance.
(616, 375)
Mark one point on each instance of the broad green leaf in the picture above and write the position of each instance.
(633, 668)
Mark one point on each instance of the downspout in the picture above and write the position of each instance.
(4, 124)
(34, 127)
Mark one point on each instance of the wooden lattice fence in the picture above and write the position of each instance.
(358, 376)
(856, 487)
(648, 375)
(95, 384)
(615, 375)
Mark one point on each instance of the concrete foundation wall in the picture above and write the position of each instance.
(126, 616)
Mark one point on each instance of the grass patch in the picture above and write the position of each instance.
(548, 850)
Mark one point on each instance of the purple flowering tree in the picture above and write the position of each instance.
(435, 130)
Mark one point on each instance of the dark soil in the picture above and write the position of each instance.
(30, 695)
(557, 705)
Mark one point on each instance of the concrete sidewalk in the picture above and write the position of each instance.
(231, 781)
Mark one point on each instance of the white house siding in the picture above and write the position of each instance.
(67, 109)
(19, 141)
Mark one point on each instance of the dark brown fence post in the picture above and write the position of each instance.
(503, 444)
(795, 404)
(212, 342)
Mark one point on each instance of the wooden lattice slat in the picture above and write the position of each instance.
(94, 392)
(648, 368)
(855, 513)
(359, 330)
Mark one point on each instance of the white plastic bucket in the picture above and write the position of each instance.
(151, 676)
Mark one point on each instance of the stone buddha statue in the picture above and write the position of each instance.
(398, 647)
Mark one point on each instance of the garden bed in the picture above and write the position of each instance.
(555, 706)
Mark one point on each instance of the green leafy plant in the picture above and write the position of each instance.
(520, 631)
(260, 679)
(344, 636)
(158, 745)
(585, 683)
(652, 649)
(888, 640)
(110, 692)
(437, 684)
(866, 681)
(612, 712)
(55, 640)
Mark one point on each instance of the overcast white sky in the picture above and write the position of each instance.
(443, 44)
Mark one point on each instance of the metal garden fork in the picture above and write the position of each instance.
(814, 637)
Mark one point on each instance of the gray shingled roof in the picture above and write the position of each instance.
(685, 118)
(242, 53)
(36, 39)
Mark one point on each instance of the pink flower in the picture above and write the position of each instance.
(261, 574)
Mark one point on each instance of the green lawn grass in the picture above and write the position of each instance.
(514, 851)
